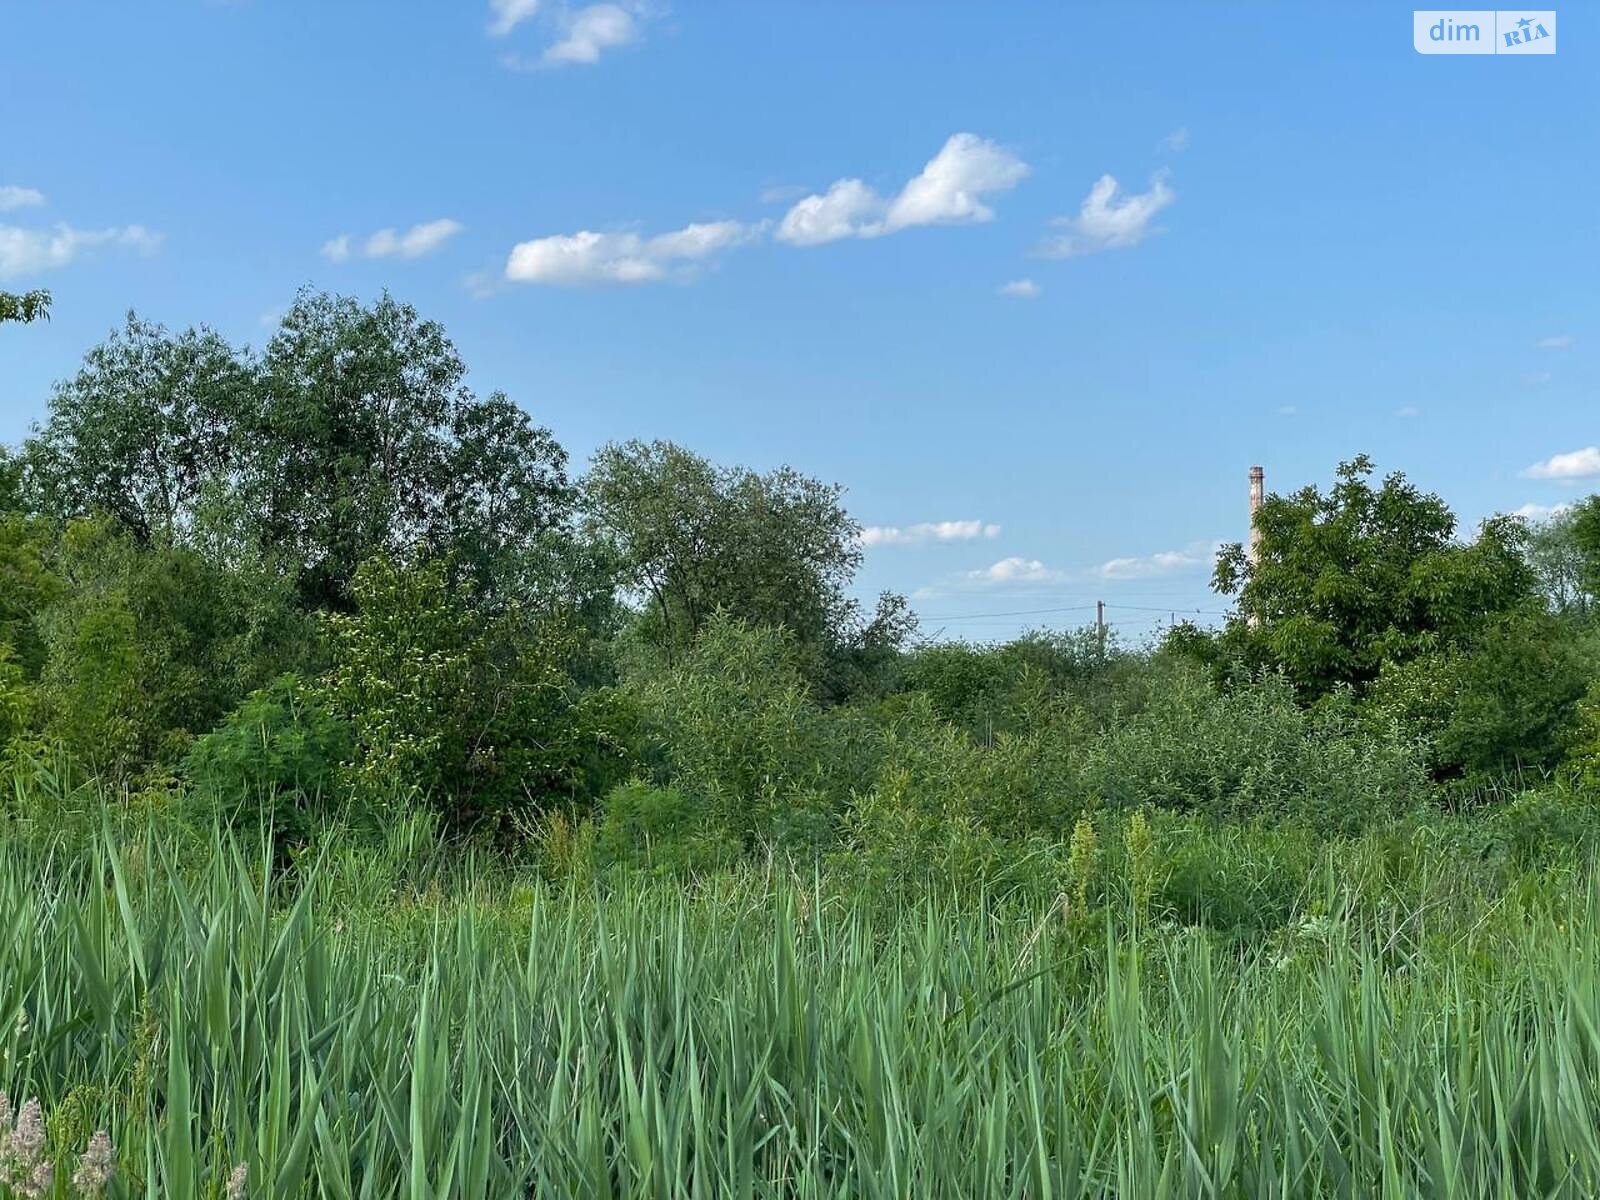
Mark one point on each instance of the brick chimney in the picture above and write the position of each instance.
(1258, 487)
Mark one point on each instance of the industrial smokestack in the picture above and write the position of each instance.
(1258, 488)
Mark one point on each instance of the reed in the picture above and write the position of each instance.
(352, 1031)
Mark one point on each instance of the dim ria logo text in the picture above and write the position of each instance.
(1484, 31)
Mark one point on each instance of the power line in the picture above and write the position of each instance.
(1027, 612)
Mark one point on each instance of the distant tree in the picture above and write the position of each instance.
(692, 538)
(29, 306)
(1583, 523)
(349, 436)
(366, 442)
(1566, 575)
(1358, 576)
(149, 422)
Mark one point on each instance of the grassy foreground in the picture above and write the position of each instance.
(352, 1032)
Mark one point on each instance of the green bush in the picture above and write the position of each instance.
(659, 829)
(281, 749)
(740, 733)
(475, 710)
(1252, 752)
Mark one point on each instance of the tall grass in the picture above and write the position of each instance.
(346, 1033)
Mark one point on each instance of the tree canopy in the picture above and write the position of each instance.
(1348, 579)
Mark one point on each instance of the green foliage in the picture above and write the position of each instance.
(1252, 751)
(660, 830)
(1501, 703)
(24, 308)
(1350, 579)
(475, 711)
(27, 588)
(280, 752)
(364, 441)
(400, 1020)
(1012, 688)
(150, 420)
(147, 645)
(741, 734)
(693, 539)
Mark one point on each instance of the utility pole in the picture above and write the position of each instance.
(1100, 625)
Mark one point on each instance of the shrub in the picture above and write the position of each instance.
(1252, 752)
(741, 734)
(473, 709)
(281, 749)
(660, 830)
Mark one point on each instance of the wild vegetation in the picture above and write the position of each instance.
(389, 809)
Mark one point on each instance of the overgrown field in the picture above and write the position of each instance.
(387, 810)
(398, 1019)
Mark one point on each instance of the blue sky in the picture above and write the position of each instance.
(781, 233)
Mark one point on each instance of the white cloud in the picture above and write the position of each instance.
(590, 31)
(1109, 219)
(1017, 570)
(588, 258)
(28, 251)
(387, 243)
(1022, 289)
(1407, 411)
(1177, 141)
(1537, 378)
(949, 190)
(12, 197)
(927, 531)
(1575, 464)
(1288, 410)
(414, 242)
(1164, 562)
(508, 14)
(1561, 341)
(848, 209)
(1540, 512)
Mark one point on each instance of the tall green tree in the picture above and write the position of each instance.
(1348, 579)
(691, 538)
(149, 423)
(365, 441)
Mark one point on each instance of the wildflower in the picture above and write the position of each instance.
(37, 1185)
(27, 1140)
(236, 1182)
(5, 1126)
(96, 1166)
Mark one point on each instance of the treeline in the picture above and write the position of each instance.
(326, 581)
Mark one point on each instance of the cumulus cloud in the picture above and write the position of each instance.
(28, 251)
(12, 197)
(1560, 341)
(1109, 219)
(1164, 562)
(1021, 289)
(589, 32)
(1017, 570)
(506, 15)
(587, 258)
(949, 190)
(1540, 512)
(388, 243)
(927, 531)
(1575, 464)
